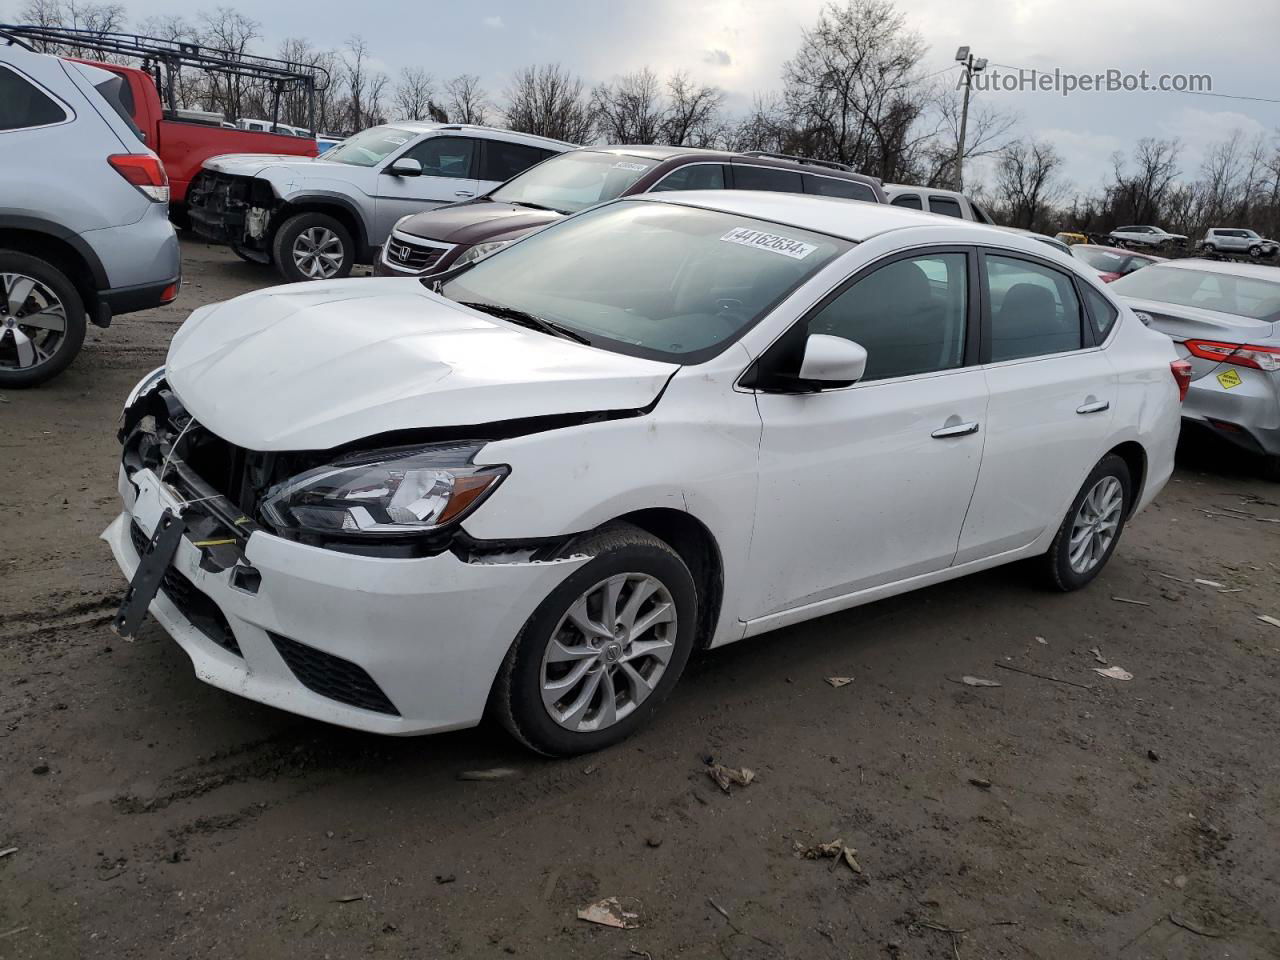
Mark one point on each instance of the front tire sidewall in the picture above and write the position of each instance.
(1057, 560)
(282, 246)
(518, 693)
(73, 306)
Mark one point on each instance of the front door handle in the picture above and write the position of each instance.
(955, 430)
(1097, 406)
(463, 193)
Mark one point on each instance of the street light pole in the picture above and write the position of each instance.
(970, 67)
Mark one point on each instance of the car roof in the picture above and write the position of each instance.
(1256, 271)
(854, 220)
(1121, 251)
(427, 126)
(664, 153)
(655, 152)
(892, 188)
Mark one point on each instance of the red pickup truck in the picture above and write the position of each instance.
(184, 144)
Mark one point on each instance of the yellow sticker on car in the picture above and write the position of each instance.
(1229, 379)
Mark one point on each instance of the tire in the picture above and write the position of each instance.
(1255, 252)
(620, 552)
(315, 231)
(47, 298)
(1057, 560)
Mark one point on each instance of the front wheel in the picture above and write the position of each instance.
(313, 246)
(1255, 252)
(42, 320)
(1092, 527)
(603, 650)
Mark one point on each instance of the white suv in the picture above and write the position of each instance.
(317, 217)
(1146, 236)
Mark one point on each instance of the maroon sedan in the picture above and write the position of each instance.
(437, 240)
(1112, 263)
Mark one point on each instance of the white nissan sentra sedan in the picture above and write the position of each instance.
(533, 488)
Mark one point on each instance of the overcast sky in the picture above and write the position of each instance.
(740, 45)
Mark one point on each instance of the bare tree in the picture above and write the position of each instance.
(630, 110)
(229, 30)
(549, 101)
(986, 133)
(413, 94)
(765, 127)
(1139, 198)
(693, 114)
(1027, 182)
(364, 85)
(96, 18)
(465, 101)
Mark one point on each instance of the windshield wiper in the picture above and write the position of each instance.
(534, 206)
(526, 319)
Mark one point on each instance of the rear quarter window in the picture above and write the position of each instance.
(767, 178)
(833, 187)
(23, 104)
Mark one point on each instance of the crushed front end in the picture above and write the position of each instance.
(234, 210)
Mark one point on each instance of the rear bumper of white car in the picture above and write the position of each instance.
(393, 646)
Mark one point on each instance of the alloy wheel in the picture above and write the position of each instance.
(609, 652)
(1095, 524)
(318, 253)
(33, 322)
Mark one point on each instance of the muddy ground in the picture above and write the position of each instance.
(154, 816)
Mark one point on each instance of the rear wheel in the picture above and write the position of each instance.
(1092, 527)
(42, 320)
(313, 246)
(603, 650)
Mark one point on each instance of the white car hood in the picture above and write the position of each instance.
(311, 366)
(251, 164)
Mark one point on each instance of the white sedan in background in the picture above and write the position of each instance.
(533, 488)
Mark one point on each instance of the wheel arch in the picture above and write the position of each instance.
(65, 251)
(340, 208)
(1135, 458)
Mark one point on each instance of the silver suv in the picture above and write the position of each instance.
(1239, 241)
(84, 213)
(316, 218)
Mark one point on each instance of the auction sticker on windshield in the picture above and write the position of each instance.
(774, 243)
(633, 167)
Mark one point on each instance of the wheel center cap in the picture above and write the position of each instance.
(612, 652)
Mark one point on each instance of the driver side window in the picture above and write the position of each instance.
(444, 156)
(909, 315)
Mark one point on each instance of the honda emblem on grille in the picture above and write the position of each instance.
(400, 251)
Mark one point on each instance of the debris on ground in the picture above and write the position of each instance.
(1042, 640)
(726, 777)
(496, 773)
(838, 682)
(1210, 583)
(40, 769)
(348, 898)
(1170, 576)
(1271, 620)
(1136, 603)
(1097, 655)
(1195, 928)
(837, 849)
(1042, 676)
(1153, 756)
(653, 842)
(982, 783)
(610, 912)
(7, 851)
(970, 681)
(1114, 673)
(446, 877)
(1180, 882)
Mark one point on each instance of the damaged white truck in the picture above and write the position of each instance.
(315, 218)
(532, 487)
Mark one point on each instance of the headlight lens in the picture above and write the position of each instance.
(144, 386)
(395, 492)
(480, 251)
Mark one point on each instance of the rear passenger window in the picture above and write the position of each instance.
(909, 315)
(911, 200)
(1101, 311)
(694, 176)
(832, 187)
(947, 206)
(766, 178)
(22, 104)
(1034, 310)
(502, 161)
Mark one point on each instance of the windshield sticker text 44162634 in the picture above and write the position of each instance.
(774, 243)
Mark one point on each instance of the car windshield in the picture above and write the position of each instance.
(1207, 290)
(574, 181)
(657, 280)
(370, 146)
(1100, 259)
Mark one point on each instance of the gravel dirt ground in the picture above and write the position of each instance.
(154, 816)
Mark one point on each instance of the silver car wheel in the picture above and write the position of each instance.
(1095, 524)
(609, 652)
(33, 322)
(318, 253)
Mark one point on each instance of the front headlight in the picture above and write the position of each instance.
(144, 386)
(396, 492)
(480, 251)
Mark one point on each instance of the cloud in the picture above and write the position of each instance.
(494, 22)
(717, 57)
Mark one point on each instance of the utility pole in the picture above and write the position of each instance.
(970, 67)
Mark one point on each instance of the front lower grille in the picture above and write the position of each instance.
(197, 606)
(413, 255)
(333, 677)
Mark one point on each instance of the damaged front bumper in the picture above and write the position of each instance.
(232, 210)
(394, 646)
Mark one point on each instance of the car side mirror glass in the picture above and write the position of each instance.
(832, 360)
(405, 167)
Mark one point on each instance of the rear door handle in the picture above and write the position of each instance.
(956, 430)
(1096, 407)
